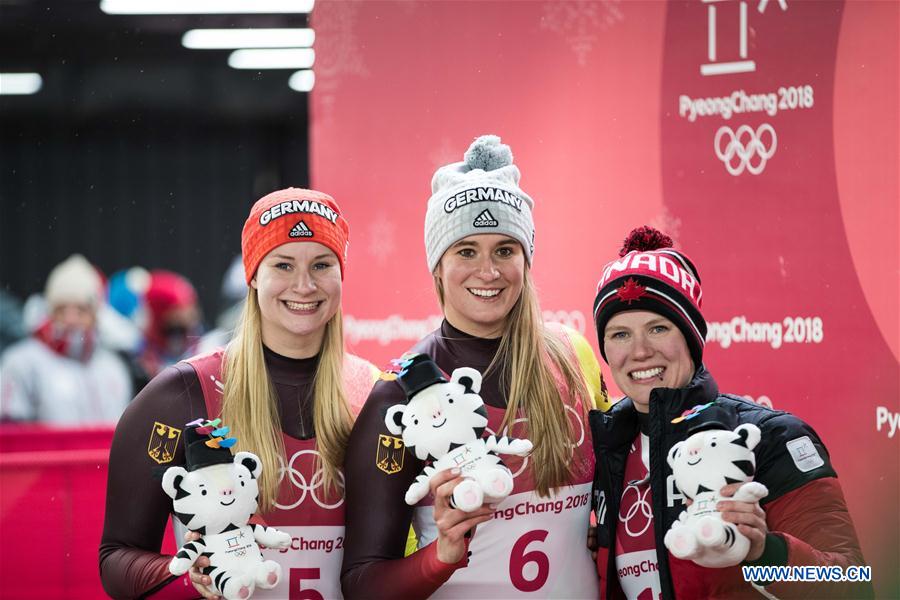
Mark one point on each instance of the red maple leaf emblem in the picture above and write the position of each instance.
(630, 291)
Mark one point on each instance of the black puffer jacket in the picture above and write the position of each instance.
(776, 467)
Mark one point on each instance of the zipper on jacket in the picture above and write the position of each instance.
(659, 494)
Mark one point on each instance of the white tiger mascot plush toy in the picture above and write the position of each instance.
(443, 421)
(702, 464)
(215, 496)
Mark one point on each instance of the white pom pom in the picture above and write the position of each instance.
(487, 153)
(137, 279)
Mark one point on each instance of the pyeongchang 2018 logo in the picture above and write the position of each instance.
(741, 148)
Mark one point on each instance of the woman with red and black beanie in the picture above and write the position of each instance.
(652, 334)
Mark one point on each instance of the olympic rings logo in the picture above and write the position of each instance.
(506, 432)
(641, 505)
(745, 144)
(298, 480)
(570, 318)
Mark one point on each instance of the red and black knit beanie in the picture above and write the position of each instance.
(651, 275)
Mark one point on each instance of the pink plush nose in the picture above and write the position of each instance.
(437, 414)
(227, 492)
(693, 452)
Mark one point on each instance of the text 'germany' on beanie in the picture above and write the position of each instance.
(293, 215)
(479, 195)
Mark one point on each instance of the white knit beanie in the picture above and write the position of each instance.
(479, 195)
(73, 281)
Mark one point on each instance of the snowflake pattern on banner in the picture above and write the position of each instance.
(668, 224)
(444, 153)
(338, 52)
(381, 234)
(580, 22)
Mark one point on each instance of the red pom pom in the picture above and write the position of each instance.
(645, 238)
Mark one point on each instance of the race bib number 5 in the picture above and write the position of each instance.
(298, 579)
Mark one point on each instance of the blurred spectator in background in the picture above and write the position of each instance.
(12, 327)
(234, 291)
(60, 375)
(172, 329)
(125, 314)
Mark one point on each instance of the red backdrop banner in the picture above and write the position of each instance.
(762, 135)
(52, 500)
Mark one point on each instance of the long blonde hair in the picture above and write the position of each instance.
(528, 352)
(249, 404)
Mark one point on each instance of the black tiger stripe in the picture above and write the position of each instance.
(185, 518)
(744, 465)
(180, 492)
(741, 441)
(182, 554)
(207, 570)
(190, 547)
(218, 579)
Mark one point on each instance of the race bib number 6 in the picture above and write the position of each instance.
(535, 562)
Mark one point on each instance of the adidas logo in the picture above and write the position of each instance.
(485, 219)
(300, 230)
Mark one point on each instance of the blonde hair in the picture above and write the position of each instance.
(250, 408)
(527, 355)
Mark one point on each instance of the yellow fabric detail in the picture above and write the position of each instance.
(411, 542)
(590, 369)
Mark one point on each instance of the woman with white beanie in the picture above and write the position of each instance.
(539, 383)
(61, 375)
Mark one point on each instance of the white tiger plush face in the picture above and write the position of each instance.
(441, 416)
(212, 499)
(711, 459)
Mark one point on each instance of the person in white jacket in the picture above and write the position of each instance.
(60, 375)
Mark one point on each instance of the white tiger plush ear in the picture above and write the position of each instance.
(251, 461)
(467, 377)
(673, 454)
(172, 480)
(394, 418)
(749, 435)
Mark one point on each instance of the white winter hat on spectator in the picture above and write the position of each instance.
(73, 281)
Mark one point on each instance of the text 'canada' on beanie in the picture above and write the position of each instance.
(650, 275)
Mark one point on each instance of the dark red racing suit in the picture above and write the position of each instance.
(147, 440)
(379, 471)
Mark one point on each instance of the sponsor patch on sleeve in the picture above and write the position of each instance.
(806, 456)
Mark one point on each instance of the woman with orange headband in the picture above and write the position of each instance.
(286, 388)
